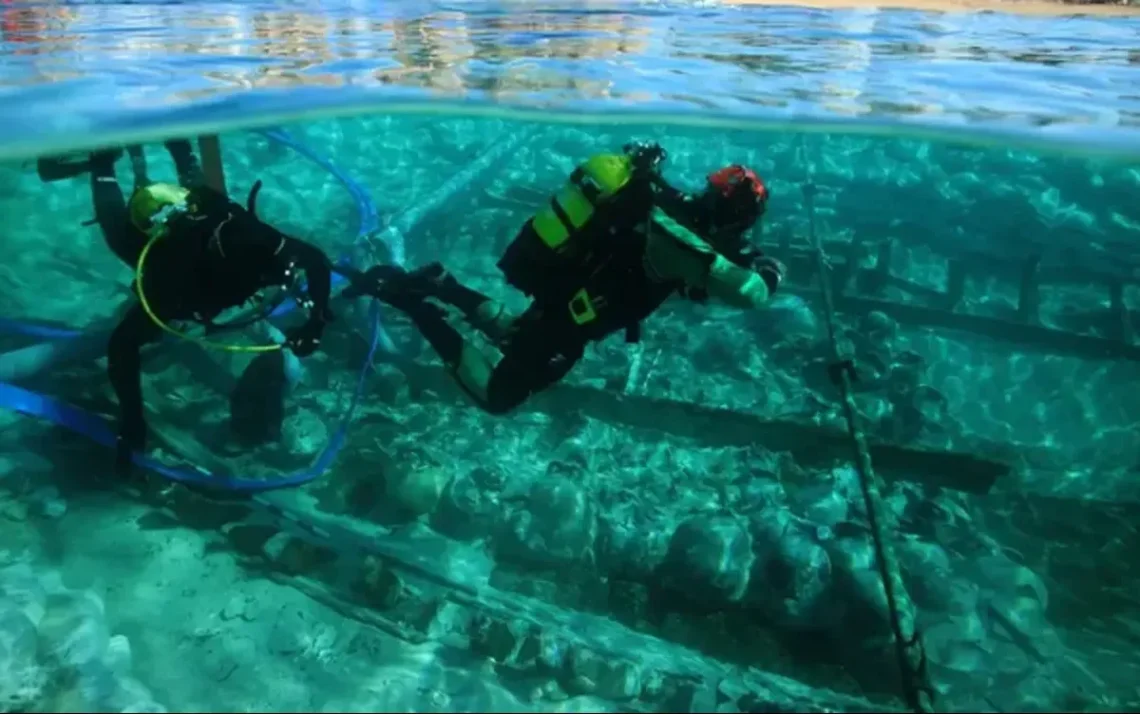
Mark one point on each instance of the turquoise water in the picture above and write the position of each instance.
(676, 526)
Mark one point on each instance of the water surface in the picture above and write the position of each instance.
(76, 74)
(1025, 595)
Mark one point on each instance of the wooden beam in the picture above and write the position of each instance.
(1029, 291)
(942, 308)
(1036, 337)
(810, 444)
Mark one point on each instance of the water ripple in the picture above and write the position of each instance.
(130, 65)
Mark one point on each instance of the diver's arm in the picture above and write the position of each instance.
(671, 199)
(681, 205)
(737, 286)
(675, 253)
(318, 275)
(305, 339)
(647, 159)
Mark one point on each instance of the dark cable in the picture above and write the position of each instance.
(909, 650)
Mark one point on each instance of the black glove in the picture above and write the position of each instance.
(372, 281)
(771, 271)
(396, 286)
(132, 438)
(304, 340)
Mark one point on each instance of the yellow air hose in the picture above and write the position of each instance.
(223, 347)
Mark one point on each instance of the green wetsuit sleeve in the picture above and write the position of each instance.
(673, 252)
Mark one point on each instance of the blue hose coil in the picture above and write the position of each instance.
(97, 429)
(367, 216)
(29, 329)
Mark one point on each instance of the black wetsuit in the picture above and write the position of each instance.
(543, 344)
(214, 257)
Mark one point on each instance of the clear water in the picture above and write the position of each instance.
(76, 74)
(442, 538)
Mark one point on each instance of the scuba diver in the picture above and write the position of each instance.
(611, 246)
(195, 254)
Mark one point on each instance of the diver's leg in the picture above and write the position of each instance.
(258, 402)
(185, 163)
(485, 314)
(431, 321)
(111, 213)
(530, 362)
(213, 172)
(401, 289)
(138, 165)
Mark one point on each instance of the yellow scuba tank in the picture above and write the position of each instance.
(555, 242)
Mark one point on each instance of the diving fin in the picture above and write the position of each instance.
(58, 168)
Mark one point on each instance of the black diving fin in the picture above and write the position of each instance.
(58, 168)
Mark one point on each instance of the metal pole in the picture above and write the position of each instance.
(909, 650)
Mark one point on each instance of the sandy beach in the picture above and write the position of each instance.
(1020, 7)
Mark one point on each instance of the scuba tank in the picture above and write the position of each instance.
(556, 246)
(149, 206)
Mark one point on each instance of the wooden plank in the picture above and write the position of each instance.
(978, 263)
(955, 285)
(1121, 325)
(1029, 291)
(809, 443)
(939, 308)
(1038, 337)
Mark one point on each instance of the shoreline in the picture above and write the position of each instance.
(1013, 7)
